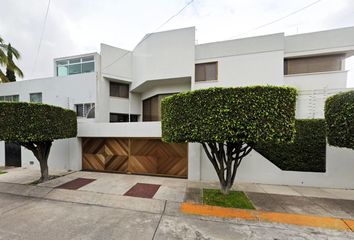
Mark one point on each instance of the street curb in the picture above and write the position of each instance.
(254, 215)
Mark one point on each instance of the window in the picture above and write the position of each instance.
(75, 66)
(118, 90)
(10, 98)
(119, 117)
(313, 64)
(36, 97)
(152, 108)
(206, 71)
(85, 110)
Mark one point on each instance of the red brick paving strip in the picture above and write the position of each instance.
(76, 183)
(143, 190)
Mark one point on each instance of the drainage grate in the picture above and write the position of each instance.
(143, 190)
(76, 183)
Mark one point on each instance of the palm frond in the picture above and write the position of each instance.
(13, 51)
(12, 67)
(3, 78)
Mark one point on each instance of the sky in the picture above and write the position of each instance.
(79, 26)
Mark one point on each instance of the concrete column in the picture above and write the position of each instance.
(194, 170)
(75, 154)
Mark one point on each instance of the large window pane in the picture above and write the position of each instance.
(206, 71)
(62, 71)
(119, 90)
(152, 108)
(313, 64)
(36, 97)
(88, 67)
(75, 60)
(62, 62)
(74, 69)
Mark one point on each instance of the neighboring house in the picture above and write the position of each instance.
(117, 95)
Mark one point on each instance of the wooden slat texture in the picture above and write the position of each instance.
(146, 156)
(101, 154)
(155, 156)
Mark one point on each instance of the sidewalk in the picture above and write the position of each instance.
(109, 190)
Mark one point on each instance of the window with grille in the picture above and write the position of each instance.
(10, 98)
(85, 110)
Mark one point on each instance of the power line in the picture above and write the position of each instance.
(41, 37)
(148, 35)
(277, 20)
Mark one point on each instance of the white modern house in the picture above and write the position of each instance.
(116, 94)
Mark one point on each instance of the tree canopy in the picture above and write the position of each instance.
(240, 114)
(339, 115)
(33, 122)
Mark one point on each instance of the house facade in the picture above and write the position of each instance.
(117, 93)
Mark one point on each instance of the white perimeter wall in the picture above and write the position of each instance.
(257, 169)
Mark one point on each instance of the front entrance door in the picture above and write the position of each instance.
(12, 154)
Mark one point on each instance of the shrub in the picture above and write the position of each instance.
(35, 126)
(339, 115)
(229, 121)
(307, 153)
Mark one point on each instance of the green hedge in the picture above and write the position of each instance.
(31, 122)
(307, 152)
(240, 114)
(339, 115)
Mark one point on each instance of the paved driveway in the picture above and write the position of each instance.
(24, 217)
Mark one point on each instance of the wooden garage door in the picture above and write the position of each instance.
(145, 156)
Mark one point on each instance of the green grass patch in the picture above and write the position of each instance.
(2, 172)
(234, 199)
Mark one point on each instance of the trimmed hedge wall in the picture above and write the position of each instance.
(339, 115)
(240, 114)
(307, 152)
(34, 122)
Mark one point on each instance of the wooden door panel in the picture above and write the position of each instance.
(156, 157)
(146, 156)
(105, 154)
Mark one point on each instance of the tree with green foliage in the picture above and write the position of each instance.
(228, 122)
(339, 115)
(7, 55)
(35, 126)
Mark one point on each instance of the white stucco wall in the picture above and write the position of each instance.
(116, 62)
(323, 80)
(335, 40)
(121, 129)
(246, 70)
(164, 55)
(256, 169)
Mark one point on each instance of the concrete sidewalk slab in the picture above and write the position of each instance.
(168, 193)
(24, 190)
(26, 175)
(108, 200)
(340, 194)
(312, 192)
(277, 189)
(302, 205)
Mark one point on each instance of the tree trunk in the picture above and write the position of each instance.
(226, 158)
(41, 152)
